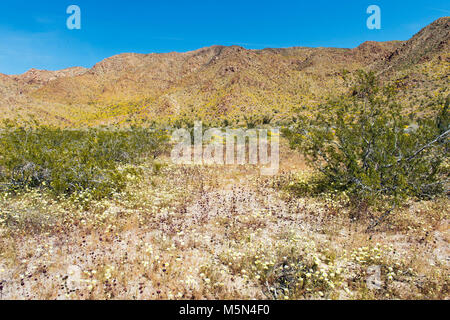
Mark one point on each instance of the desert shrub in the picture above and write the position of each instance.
(68, 161)
(367, 144)
(253, 121)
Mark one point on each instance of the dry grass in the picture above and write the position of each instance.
(190, 232)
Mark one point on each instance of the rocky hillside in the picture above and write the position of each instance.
(220, 83)
(430, 43)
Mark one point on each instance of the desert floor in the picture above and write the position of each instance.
(186, 232)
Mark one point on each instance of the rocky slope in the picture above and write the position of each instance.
(219, 83)
(430, 43)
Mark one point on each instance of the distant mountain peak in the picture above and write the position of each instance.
(36, 76)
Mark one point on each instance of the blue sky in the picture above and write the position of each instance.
(33, 34)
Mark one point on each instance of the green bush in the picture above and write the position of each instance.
(69, 161)
(367, 144)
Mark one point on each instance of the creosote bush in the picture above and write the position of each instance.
(70, 161)
(366, 144)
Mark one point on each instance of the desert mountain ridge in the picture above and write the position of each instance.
(219, 83)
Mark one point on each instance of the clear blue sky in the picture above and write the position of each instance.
(33, 34)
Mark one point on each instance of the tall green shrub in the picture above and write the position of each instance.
(367, 144)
